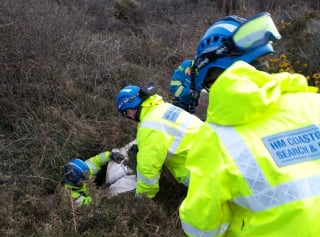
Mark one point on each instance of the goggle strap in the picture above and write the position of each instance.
(210, 57)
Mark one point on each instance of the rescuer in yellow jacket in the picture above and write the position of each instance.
(255, 163)
(164, 134)
(77, 172)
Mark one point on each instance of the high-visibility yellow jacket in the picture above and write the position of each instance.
(255, 163)
(164, 135)
(81, 195)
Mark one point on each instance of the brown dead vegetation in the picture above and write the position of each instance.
(61, 66)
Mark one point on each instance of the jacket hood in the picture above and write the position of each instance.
(243, 94)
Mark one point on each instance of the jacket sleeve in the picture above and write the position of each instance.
(80, 196)
(205, 210)
(96, 162)
(180, 81)
(151, 156)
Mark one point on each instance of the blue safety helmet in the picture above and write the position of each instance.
(217, 39)
(75, 171)
(128, 98)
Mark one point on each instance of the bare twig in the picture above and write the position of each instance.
(74, 215)
(8, 24)
(39, 177)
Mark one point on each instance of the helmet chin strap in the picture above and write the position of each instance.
(199, 63)
(134, 116)
(137, 114)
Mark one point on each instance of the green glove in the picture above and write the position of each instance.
(116, 156)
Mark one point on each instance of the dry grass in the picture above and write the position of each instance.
(61, 66)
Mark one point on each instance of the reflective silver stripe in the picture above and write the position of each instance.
(102, 158)
(91, 166)
(79, 199)
(190, 230)
(146, 180)
(264, 196)
(177, 133)
(282, 194)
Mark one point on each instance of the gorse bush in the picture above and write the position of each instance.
(302, 50)
(61, 66)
